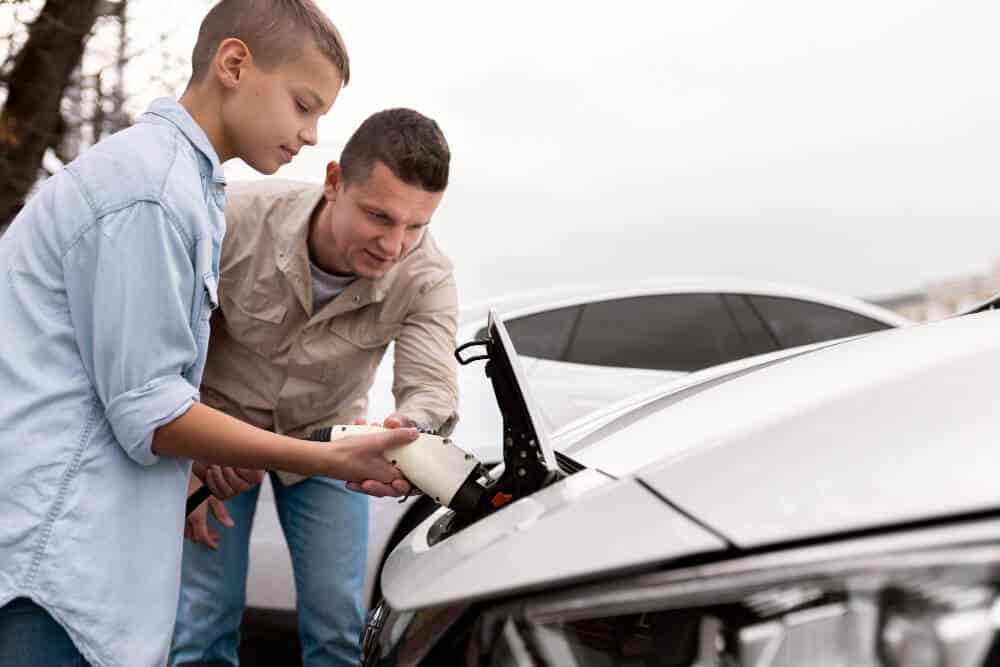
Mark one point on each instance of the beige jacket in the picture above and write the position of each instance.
(275, 365)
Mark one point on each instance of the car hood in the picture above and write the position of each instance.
(882, 430)
(586, 524)
(871, 432)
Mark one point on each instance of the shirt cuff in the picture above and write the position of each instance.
(136, 414)
(429, 421)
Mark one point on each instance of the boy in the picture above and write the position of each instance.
(111, 277)
(316, 281)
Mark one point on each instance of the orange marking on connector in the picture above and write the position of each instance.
(501, 499)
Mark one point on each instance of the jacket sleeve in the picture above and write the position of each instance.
(133, 296)
(425, 383)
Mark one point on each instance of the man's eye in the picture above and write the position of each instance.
(302, 107)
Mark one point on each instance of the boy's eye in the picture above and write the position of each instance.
(301, 106)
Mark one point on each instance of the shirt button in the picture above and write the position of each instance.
(357, 298)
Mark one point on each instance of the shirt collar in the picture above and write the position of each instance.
(173, 112)
(290, 229)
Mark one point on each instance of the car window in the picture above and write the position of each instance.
(542, 335)
(796, 322)
(758, 337)
(677, 332)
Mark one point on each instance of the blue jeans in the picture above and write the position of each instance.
(326, 528)
(30, 637)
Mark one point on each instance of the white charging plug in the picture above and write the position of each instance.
(435, 465)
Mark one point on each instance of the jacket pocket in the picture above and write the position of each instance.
(356, 347)
(253, 319)
(364, 333)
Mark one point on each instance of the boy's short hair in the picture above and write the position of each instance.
(410, 144)
(271, 29)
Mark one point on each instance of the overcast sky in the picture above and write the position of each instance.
(852, 146)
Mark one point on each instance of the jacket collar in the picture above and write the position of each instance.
(174, 113)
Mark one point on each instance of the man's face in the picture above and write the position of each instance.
(364, 228)
(275, 111)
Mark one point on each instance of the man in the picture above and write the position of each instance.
(315, 283)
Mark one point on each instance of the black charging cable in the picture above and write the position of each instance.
(197, 498)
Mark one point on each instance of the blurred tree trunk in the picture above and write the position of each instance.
(31, 120)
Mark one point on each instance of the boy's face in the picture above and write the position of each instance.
(274, 111)
(365, 228)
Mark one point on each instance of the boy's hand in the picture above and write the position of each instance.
(395, 420)
(226, 481)
(196, 526)
(359, 461)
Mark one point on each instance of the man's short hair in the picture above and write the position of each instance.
(410, 144)
(273, 30)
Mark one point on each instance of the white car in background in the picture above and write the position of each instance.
(582, 349)
(834, 505)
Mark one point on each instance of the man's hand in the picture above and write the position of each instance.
(363, 466)
(196, 526)
(396, 420)
(225, 481)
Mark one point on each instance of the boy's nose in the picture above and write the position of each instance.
(309, 135)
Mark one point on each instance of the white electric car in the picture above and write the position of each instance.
(583, 349)
(835, 504)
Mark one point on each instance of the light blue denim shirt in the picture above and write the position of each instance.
(110, 275)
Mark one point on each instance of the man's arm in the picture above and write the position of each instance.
(425, 383)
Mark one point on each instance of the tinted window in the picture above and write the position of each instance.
(677, 332)
(796, 322)
(544, 335)
(758, 338)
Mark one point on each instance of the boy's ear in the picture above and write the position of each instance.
(334, 177)
(231, 58)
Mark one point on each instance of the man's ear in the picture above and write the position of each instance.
(231, 59)
(334, 178)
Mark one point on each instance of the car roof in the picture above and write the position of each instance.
(529, 302)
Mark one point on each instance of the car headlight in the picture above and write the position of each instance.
(405, 639)
(923, 598)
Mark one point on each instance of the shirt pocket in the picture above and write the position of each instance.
(357, 347)
(254, 319)
(365, 333)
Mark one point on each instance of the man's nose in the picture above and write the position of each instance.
(392, 241)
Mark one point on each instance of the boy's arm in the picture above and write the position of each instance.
(212, 436)
(133, 290)
(425, 383)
